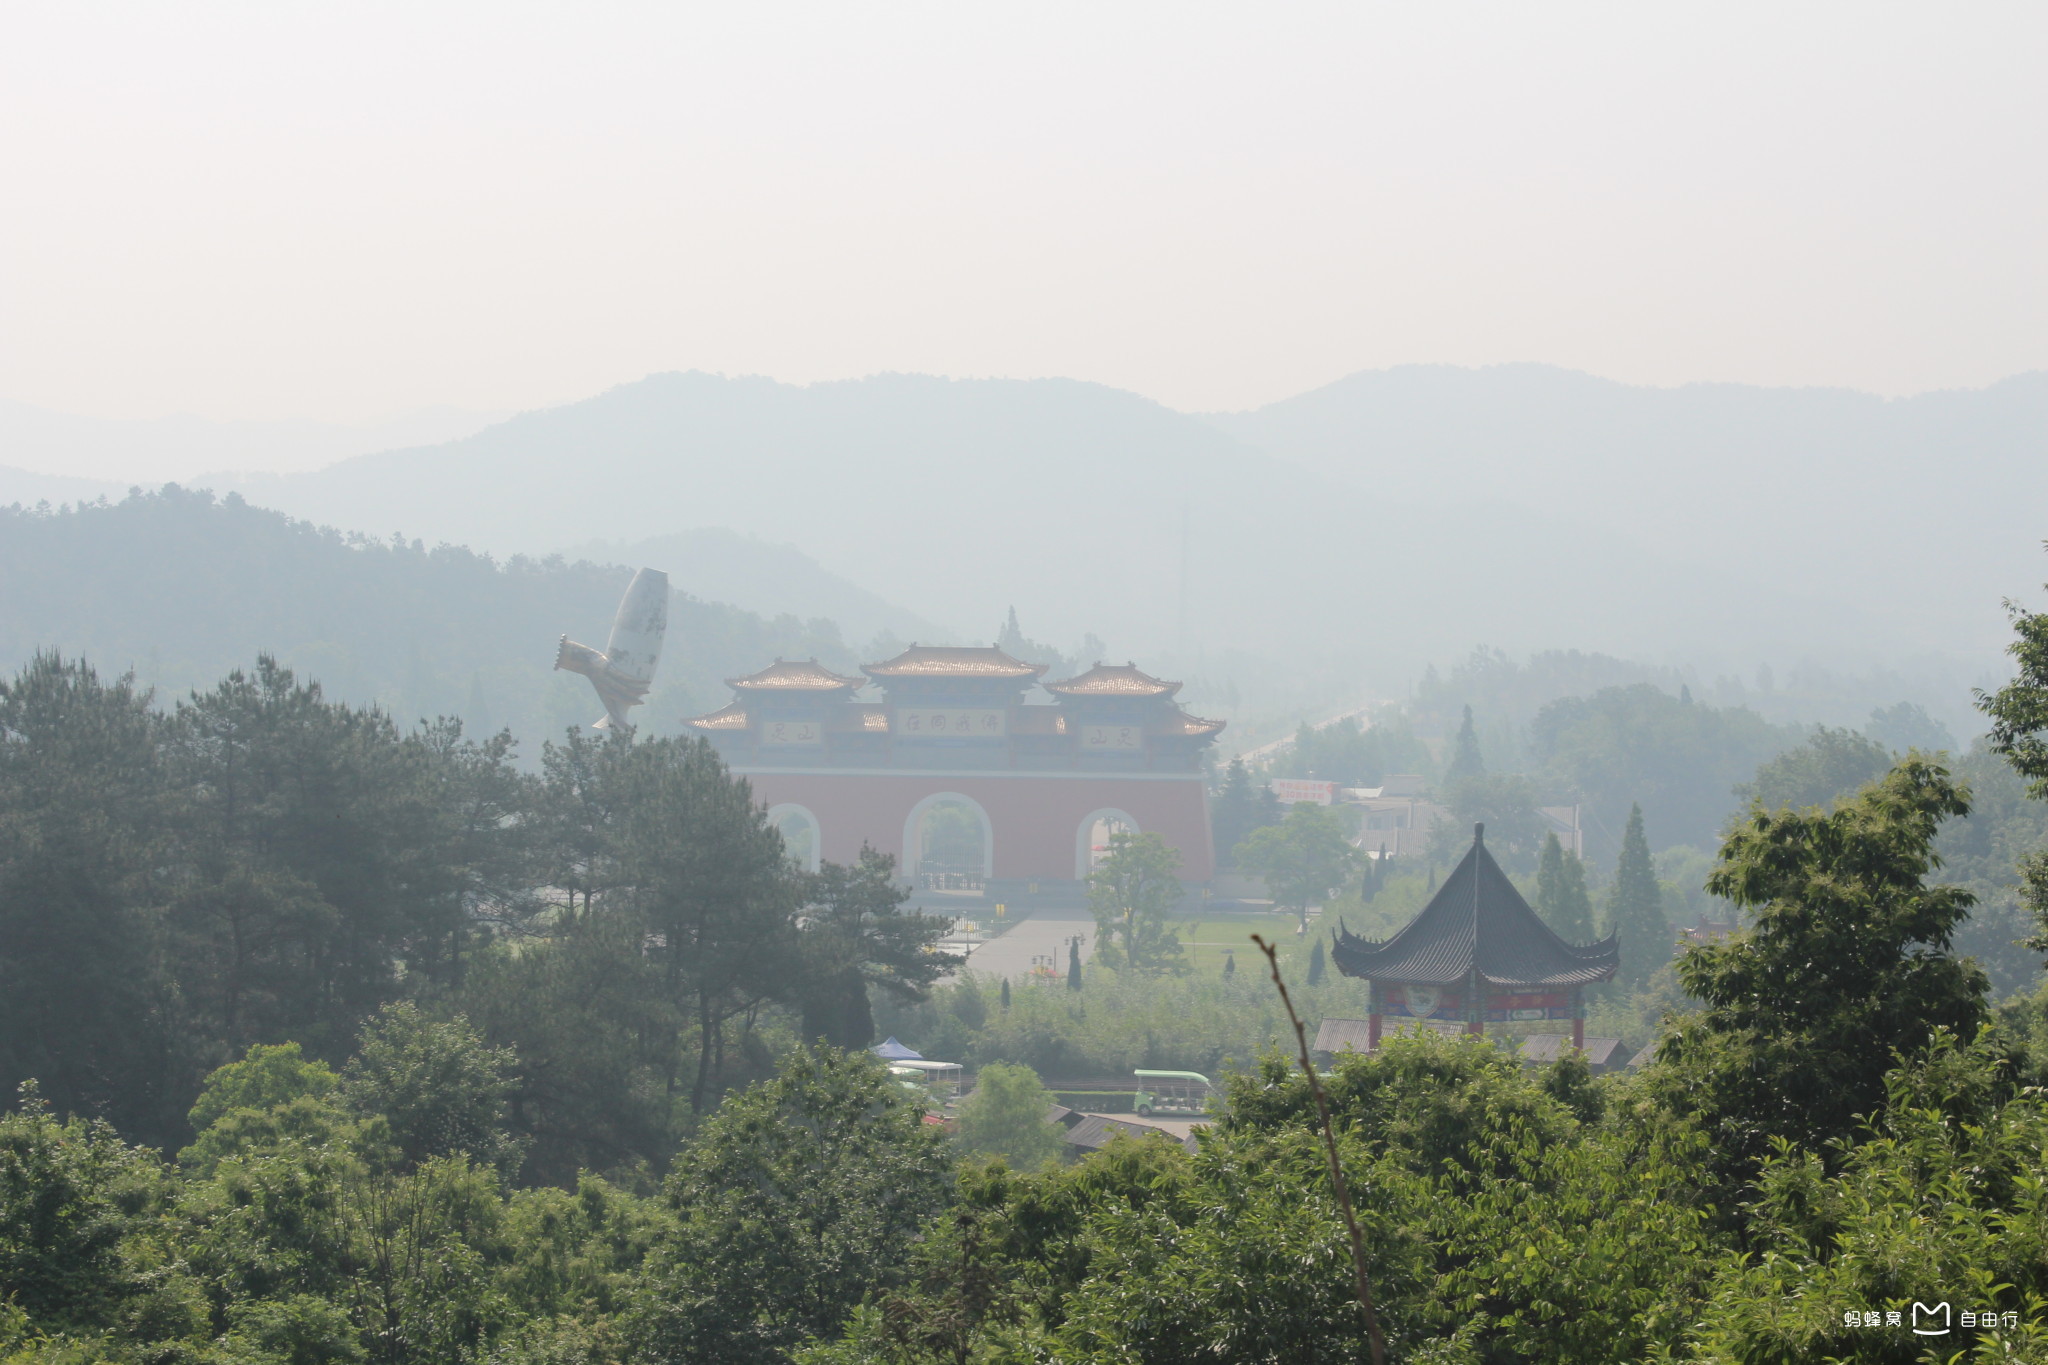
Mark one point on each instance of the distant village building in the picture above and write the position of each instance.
(1396, 815)
(1399, 816)
(1602, 1054)
(1707, 931)
(1036, 787)
(1476, 954)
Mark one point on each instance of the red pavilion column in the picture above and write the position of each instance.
(1579, 1018)
(1372, 1018)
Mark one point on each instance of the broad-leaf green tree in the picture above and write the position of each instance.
(798, 1198)
(1305, 859)
(1845, 965)
(1831, 764)
(1006, 1116)
(2019, 731)
(1131, 892)
(437, 1085)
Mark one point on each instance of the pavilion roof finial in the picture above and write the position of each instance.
(1479, 833)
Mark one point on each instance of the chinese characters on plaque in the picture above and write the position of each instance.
(1098, 739)
(792, 732)
(951, 722)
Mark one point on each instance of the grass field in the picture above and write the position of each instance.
(1212, 938)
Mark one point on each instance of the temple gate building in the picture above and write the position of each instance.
(958, 776)
(1477, 955)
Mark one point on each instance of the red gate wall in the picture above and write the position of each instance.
(1034, 819)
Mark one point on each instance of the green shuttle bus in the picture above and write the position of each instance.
(1171, 1092)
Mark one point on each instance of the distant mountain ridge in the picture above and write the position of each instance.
(1319, 548)
(1808, 483)
(1342, 537)
(181, 588)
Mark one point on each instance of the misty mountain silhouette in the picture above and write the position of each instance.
(1344, 536)
(181, 587)
(755, 575)
(1938, 502)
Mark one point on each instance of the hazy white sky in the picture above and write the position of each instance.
(342, 211)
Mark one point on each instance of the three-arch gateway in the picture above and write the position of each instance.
(953, 771)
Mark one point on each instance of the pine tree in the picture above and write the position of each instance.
(1636, 909)
(1561, 897)
(1235, 814)
(1230, 961)
(1315, 964)
(1074, 967)
(1269, 809)
(1465, 761)
(1005, 997)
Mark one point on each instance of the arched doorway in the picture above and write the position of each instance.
(801, 837)
(1091, 841)
(948, 844)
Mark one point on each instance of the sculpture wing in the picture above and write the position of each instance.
(624, 671)
(637, 631)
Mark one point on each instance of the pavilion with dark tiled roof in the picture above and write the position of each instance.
(1477, 953)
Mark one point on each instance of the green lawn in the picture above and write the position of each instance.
(1209, 938)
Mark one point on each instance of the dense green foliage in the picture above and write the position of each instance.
(262, 866)
(1005, 1117)
(393, 1002)
(799, 1198)
(1677, 758)
(1352, 753)
(2019, 733)
(1846, 966)
(1829, 765)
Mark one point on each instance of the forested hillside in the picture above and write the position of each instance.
(182, 587)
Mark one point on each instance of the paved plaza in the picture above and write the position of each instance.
(1039, 938)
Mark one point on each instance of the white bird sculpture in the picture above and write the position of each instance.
(624, 670)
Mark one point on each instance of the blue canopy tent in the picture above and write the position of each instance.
(889, 1050)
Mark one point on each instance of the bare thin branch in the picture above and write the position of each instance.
(1315, 1085)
